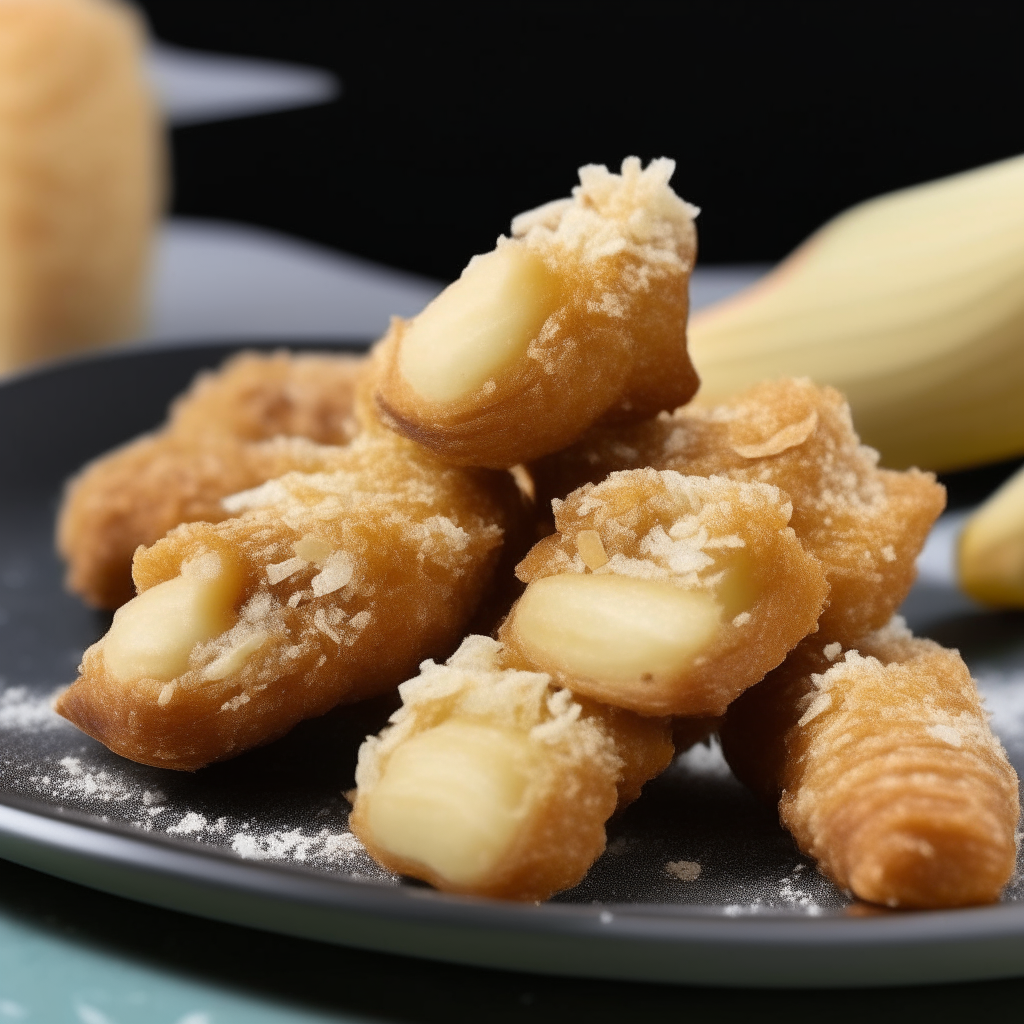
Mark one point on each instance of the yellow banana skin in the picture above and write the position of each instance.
(912, 304)
(990, 559)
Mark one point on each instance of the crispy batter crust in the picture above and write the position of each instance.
(614, 349)
(885, 768)
(584, 760)
(689, 531)
(214, 444)
(866, 525)
(413, 547)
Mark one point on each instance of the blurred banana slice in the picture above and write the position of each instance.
(990, 559)
(912, 304)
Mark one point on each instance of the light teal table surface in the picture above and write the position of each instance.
(69, 955)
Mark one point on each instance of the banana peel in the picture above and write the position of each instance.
(912, 304)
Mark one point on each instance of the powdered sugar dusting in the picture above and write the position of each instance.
(296, 845)
(117, 790)
(189, 825)
(26, 711)
(75, 780)
(792, 893)
(683, 870)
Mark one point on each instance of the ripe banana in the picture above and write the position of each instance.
(912, 304)
(990, 560)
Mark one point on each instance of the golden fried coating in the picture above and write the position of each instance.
(866, 525)
(81, 176)
(665, 594)
(888, 772)
(214, 444)
(493, 782)
(579, 317)
(255, 396)
(326, 587)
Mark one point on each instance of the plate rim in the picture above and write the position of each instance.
(676, 943)
(637, 942)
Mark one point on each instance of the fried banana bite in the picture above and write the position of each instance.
(492, 781)
(255, 396)
(885, 769)
(579, 317)
(865, 524)
(325, 588)
(213, 445)
(665, 594)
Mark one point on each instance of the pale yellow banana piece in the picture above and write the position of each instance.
(81, 176)
(990, 560)
(912, 304)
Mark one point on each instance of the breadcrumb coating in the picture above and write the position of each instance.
(574, 763)
(255, 396)
(865, 524)
(217, 441)
(885, 768)
(340, 582)
(728, 542)
(604, 276)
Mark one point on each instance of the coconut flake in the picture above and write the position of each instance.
(282, 570)
(336, 573)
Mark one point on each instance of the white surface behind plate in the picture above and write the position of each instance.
(214, 279)
(193, 87)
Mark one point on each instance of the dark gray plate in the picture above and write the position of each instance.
(699, 883)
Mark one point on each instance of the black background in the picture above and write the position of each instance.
(455, 117)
